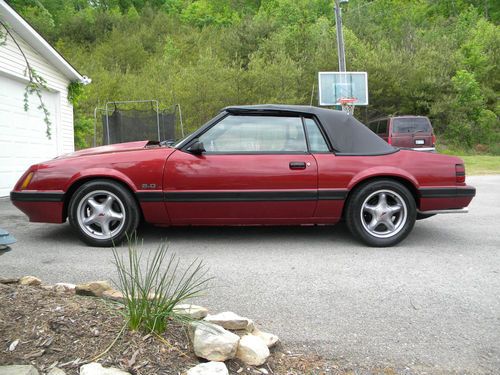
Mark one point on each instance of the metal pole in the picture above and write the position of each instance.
(158, 119)
(107, 124)
(95, 127)
(340, 36)
(180, 118)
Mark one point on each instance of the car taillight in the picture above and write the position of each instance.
(433, 140)
(460, 173)
(389, 140)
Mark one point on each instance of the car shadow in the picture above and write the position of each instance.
(262, 236)
(152, 235)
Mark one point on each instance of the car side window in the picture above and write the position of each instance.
(317, 142)
(382, 127)
(255, 134)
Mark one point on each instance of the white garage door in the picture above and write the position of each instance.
(23, 141)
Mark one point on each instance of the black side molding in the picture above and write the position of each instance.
(39, 196)
(242, 196)
(447, 192)
(332, 194)
(150, 196)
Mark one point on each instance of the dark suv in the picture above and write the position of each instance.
(413, 132)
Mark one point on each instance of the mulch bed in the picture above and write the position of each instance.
(69, 330)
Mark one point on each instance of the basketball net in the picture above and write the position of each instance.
(347, 105)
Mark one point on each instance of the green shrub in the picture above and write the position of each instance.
(84, 130)
(153, 287)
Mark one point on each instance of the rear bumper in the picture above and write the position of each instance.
(42, 207)
(425, 149)
(445, 198)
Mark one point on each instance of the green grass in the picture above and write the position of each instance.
(154, 284)
(476, 163)
(481, 164)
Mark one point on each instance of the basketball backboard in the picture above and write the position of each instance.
(334, 86)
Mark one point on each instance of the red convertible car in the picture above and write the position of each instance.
(250, 165)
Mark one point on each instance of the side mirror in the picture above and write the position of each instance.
(196, 148)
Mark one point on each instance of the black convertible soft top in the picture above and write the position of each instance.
(347, 135)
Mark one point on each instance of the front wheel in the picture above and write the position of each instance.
(103, 212)
(382, 213)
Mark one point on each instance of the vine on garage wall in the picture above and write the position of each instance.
(75, 92)
(3, 38)
(36, 83)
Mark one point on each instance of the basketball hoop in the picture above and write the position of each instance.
(347, 104)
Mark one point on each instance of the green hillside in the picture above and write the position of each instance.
(434, 58)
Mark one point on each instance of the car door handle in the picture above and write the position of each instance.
(297, 165)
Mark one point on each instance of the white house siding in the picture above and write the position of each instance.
(35, 147)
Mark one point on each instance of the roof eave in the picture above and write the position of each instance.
(35, 40)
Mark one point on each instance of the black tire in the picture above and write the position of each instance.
(423, 216)
(377, 232)
(90, 202)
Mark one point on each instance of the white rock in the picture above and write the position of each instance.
(13, 345)
(252, 351)
(213, 342)
(230, 320)
(210, 368)
(30, 280)
(114, 295)
(269, 339)
(191, 311)
(94, 288)
(64, 288)
(56, 371)
(95, 368)
(18, 370)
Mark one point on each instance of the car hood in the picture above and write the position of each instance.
(119, 147)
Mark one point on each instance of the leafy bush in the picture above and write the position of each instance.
(84, 129)
(152, 287)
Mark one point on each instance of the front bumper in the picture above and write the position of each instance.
(41, 207)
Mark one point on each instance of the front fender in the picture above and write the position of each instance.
(100, 173)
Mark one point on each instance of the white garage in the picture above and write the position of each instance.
(23, 139)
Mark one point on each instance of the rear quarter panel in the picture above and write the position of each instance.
(419, 170)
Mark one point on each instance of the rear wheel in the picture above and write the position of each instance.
(103, 212)
(382, 213)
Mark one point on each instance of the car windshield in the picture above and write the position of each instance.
(411, 125)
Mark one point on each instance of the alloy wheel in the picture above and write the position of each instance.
(383, 213)
(101, 214)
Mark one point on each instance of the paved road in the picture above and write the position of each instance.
(432, 303)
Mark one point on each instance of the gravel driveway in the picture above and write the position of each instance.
(430, 304)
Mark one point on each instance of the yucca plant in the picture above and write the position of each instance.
(152, 289)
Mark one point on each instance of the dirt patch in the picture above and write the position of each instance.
(67, 331)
